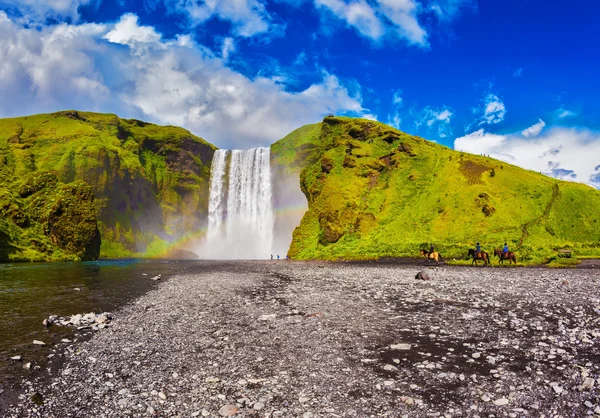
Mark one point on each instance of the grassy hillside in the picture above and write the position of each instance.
(376, 192)
(150, 182)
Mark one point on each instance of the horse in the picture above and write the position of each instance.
(510, 256)
(431, 256)
(481, 256)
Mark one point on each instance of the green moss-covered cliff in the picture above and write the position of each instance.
(78, 185)
(374, 192)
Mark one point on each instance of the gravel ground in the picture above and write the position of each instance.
(292, 339)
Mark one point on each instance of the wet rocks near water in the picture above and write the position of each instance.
(245, 340)
(422, 276)
(82, 321)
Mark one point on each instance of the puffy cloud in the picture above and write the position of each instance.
(35, 11)
(565, 153)
(492, 110)
(128, 32)
(369, 116)
(248, 17)
(534, 130)
(44, 70)
(129, 69)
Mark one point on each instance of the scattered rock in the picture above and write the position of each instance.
(422, 276)
(228, 410)
(588, 383)
(401, 346)
(501, 401)
(38, 342)
(16, 358)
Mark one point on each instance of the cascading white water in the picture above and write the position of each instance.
(240, 209)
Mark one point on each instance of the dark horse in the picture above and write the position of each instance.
(483, 256)
(431, 256)
(510, 256)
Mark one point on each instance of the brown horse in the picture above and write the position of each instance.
(510, 256)
(481, 256)
(431, 256)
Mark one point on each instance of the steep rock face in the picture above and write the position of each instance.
(149, 183)
(49, 220)
(374, 192)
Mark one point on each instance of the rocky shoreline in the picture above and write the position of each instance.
(293, 339)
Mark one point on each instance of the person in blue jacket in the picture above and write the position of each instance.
(478, 249)
(505, 249)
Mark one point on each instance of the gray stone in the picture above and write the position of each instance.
(401, 346)
(228, 410)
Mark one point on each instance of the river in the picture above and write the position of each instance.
(31, 292)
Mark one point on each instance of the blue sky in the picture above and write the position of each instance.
(516, 79)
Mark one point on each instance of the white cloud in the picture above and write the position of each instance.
(566, 153)
(518, 72)
(358, 14)
(381, 20)
(433, 118)
(128, 32)
(227, 48)
(395, 120)
(135, 73)
(396, 18)
(403, 15)
(534, 130)
(248, 17)
(369, 116)
(36, 11)
(563, 113)
(492, 110)
(397, 99)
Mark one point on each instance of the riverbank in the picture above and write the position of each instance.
(31, 292)
(331, 339)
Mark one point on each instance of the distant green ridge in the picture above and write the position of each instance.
(149, 185)
(375, 192)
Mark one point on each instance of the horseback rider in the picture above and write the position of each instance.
(431, 249)
(505, 250)
(477, 250)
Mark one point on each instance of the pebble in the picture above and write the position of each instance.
(401, 346)
(588, 383)
(38, 342)
(228, 410)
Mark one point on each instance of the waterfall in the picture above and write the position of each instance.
(240, 209)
